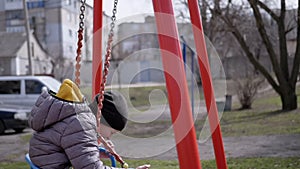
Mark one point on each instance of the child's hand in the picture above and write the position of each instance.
(144, 166)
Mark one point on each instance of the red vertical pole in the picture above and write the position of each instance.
(97, 48)
(207, 84)
(181, 114)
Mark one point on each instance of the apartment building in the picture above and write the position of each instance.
(54, 23)
(136, 57)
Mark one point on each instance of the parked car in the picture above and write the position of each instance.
(13, 117)
(24, 90)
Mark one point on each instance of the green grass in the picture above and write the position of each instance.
(26, 138)
(14, 165)
(260, 120)
(258, 163)
(265, 118)
(244, 163)
(251, 122)
(137, 96)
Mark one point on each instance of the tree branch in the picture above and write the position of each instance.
(268, 10)
(295, 69)
(263, 33)
(247, 51)
(291, 23)
(289, 29)
(252, 59)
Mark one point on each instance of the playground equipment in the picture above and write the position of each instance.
(101, 79)
(110, 152)
(186, 144)
(181, 114)
(32, 166)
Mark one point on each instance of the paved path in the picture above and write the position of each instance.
(246, 146)
(255, 146)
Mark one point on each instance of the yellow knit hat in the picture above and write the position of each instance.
(69, 91)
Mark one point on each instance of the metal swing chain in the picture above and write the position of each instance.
(79, 43)
(107, 56)
(105, 73)
(102, 86)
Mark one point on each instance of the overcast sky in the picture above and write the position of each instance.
(128, 8)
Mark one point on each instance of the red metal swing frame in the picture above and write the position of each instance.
(181, 114)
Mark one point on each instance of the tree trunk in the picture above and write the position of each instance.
(284, 81)
(288, 99)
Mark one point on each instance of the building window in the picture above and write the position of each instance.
(35, 4)
(75, 4)
(68, 2)
(15, 29)
(16, 14)
(70, 48)
(76, 20)
(13, 0)
(70, 33)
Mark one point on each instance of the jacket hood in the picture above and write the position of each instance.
(49, 109)
(69, 91)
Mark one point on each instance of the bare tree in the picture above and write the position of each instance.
(283, 76)
(283, 81)
(211, 24)
(247, 89)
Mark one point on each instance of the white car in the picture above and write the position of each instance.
(24, 90)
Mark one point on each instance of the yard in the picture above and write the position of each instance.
(263, 119)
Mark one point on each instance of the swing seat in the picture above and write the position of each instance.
(32, 166)
(110, 156)
(101, 150)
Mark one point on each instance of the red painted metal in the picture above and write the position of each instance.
(207, 84)
(183, 124)
(97, 48)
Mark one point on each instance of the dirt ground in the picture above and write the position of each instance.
(250, 146)
(12, 147)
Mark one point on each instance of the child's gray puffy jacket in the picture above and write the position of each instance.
(65, 135)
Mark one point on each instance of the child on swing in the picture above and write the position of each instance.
(66, 128)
